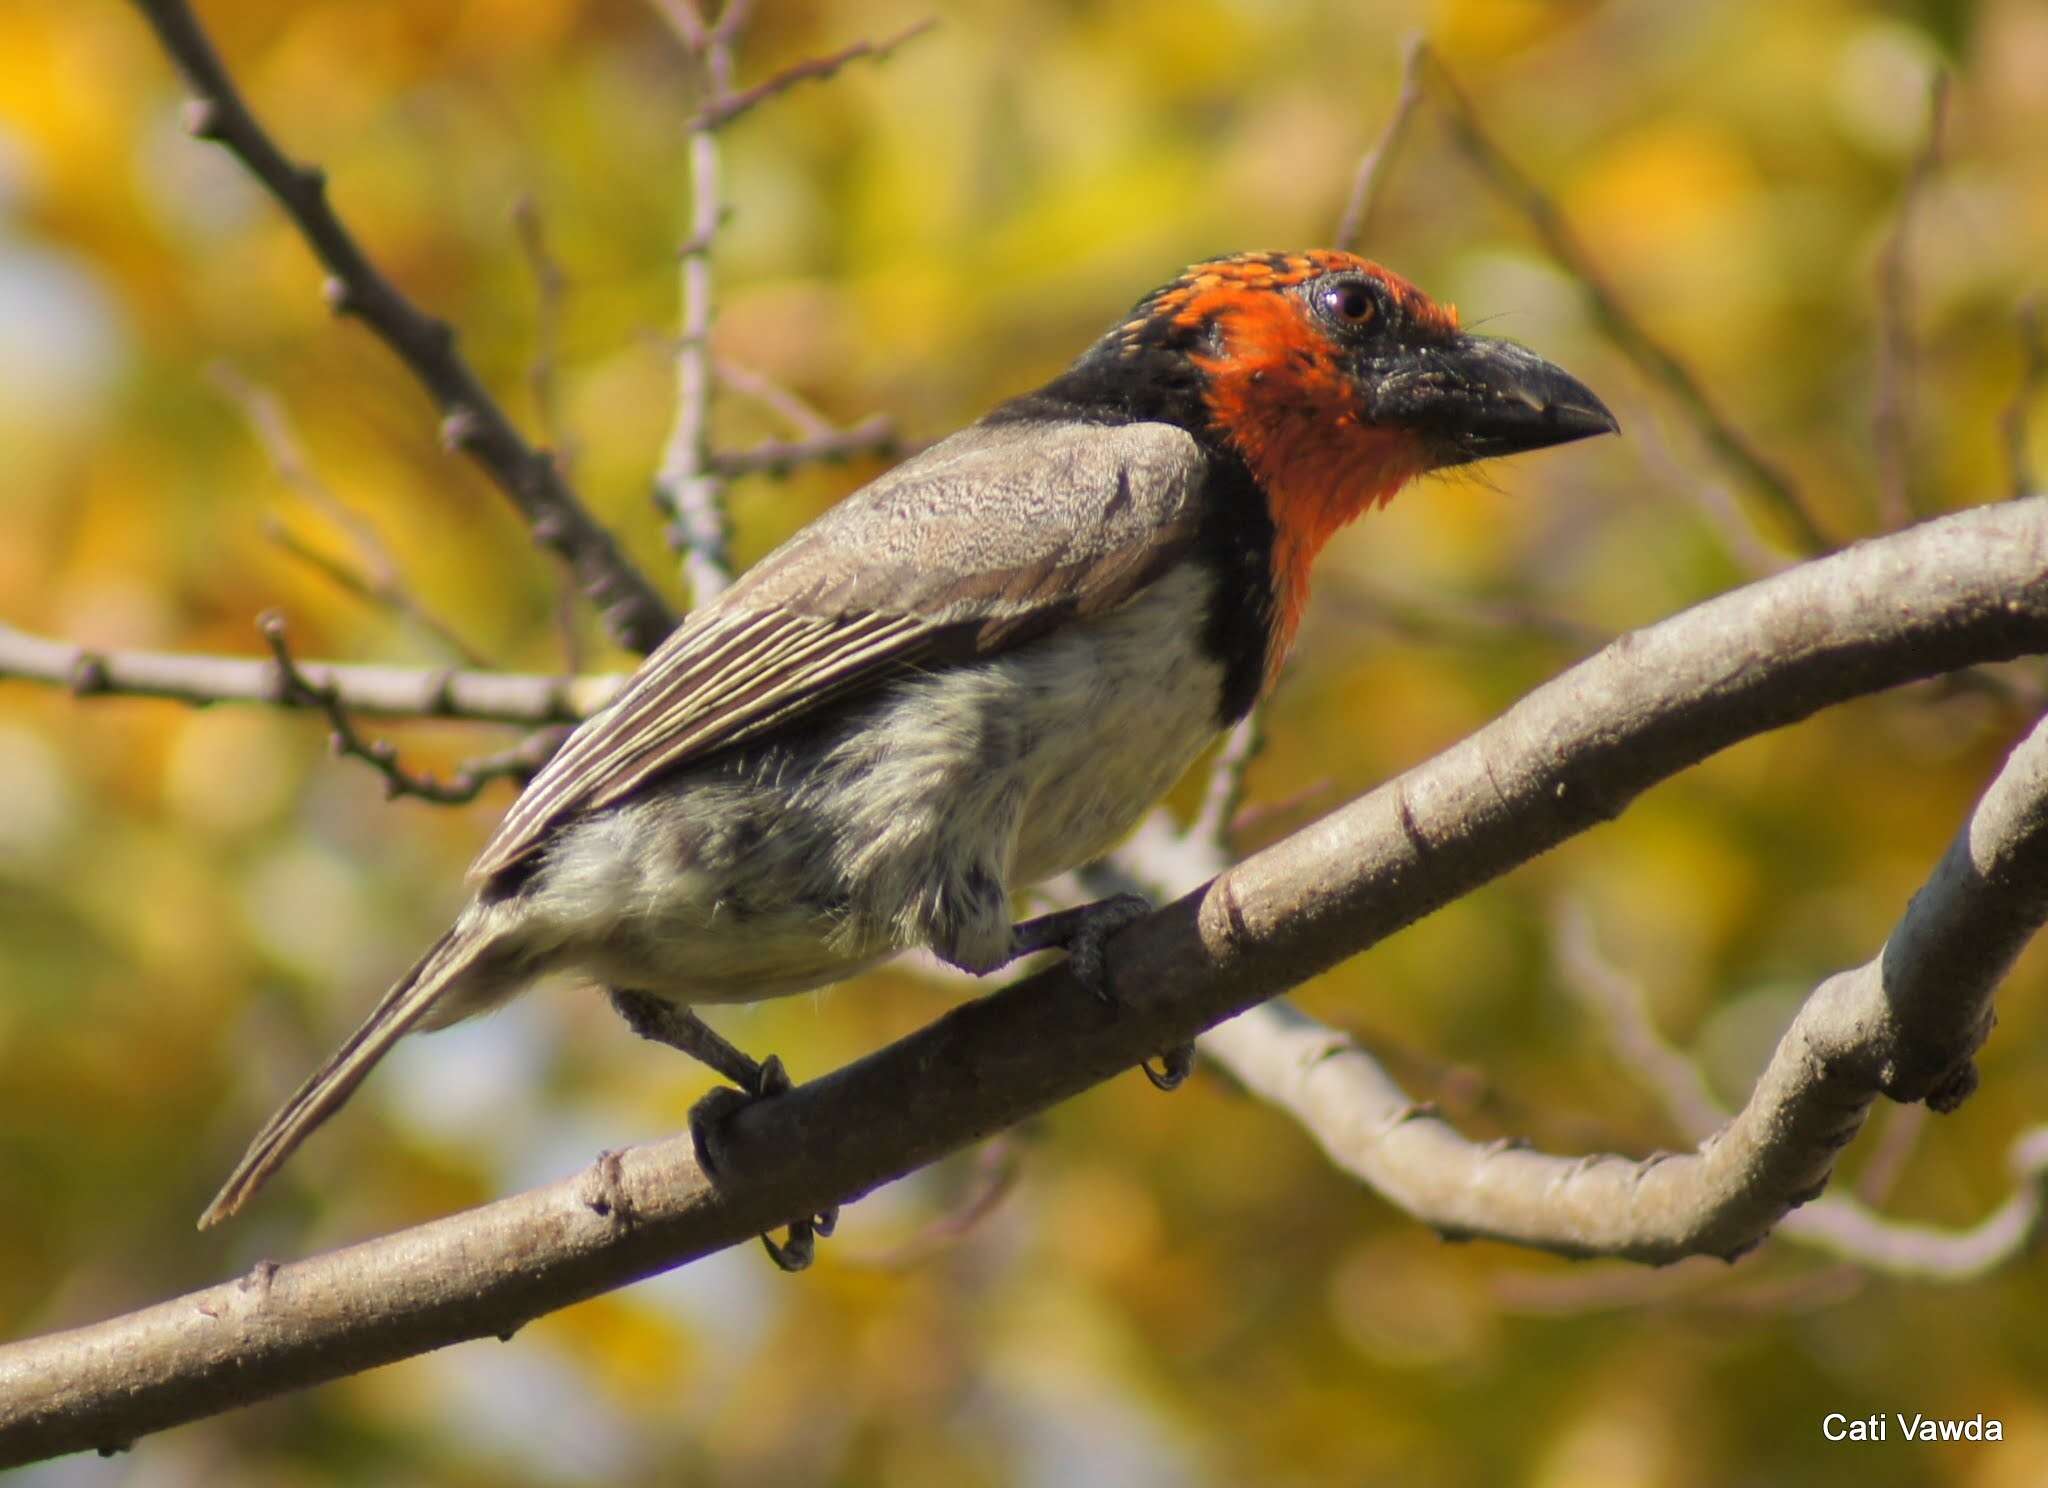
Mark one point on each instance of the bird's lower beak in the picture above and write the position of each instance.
(1476, 397)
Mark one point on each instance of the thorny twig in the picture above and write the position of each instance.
(1650, 356)
(1372, 167)
(1892, 415)
(295, 688)
(472, 421)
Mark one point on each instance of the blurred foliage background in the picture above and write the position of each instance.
(196, 904)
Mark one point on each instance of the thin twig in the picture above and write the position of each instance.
(718, 112)
(686, 487)
(1372, 167)
(551, 288)
(1892, 415)
(997, 1168)
(2033, 376)
(376, 691)
(295, 688)
(378, 581)
(471, 421)
(1224, 792)
(685, 20)
(872, 436)
(797, 412)
(1619, 1001)
(690, 485)
(372, 586)
(1627, 333)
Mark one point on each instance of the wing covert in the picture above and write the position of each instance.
(977, 544)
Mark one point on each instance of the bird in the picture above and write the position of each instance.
(973, 674)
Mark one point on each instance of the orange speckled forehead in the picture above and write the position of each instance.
(1219, 285)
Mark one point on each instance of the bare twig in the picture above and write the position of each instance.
(795, 411)
(471, 421)
(997, 1168)
(1459, 619)
(874, 436)
(378, 581)
(551, 287)
(721, 110)
(296, 689)
(690, 486)
(2033, 376)
(686, 488)
(1372, 167)
(380, 691)
(1655, 361)
(1890, 1153)
(1962, 590)
(685, 20)
(1892, 415)
(1224, 792)
(1672, 477)
(1618, 1000)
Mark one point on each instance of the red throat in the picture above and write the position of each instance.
(1278, 392)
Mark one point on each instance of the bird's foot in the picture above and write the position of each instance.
(666, 1023)
(1083, 932)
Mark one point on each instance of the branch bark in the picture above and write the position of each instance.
(1967, 589)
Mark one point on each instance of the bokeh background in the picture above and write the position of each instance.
(196, 904)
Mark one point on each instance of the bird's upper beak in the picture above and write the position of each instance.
(1473, 397)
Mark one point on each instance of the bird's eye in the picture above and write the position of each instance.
(1349, 302)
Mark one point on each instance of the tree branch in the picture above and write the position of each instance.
(690, 485)
(472, 421)
(296, 689)
(1966, 589)
(1905, 1024)
(372, 691)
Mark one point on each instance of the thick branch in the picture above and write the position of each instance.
(373, 691)
(1967, 589)
(1904, 1025)
(472, 421)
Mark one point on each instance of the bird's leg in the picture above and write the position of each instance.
(1083, 932)
(668, 1023)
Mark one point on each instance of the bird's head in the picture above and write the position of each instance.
(1334, 379)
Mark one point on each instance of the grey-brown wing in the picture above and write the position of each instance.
(976, 545)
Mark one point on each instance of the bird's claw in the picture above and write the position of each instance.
(708, 1117)
(1175, 1065)
(1084, 934)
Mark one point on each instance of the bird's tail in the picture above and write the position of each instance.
(441, 987)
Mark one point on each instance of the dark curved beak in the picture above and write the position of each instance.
(1474, 397)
